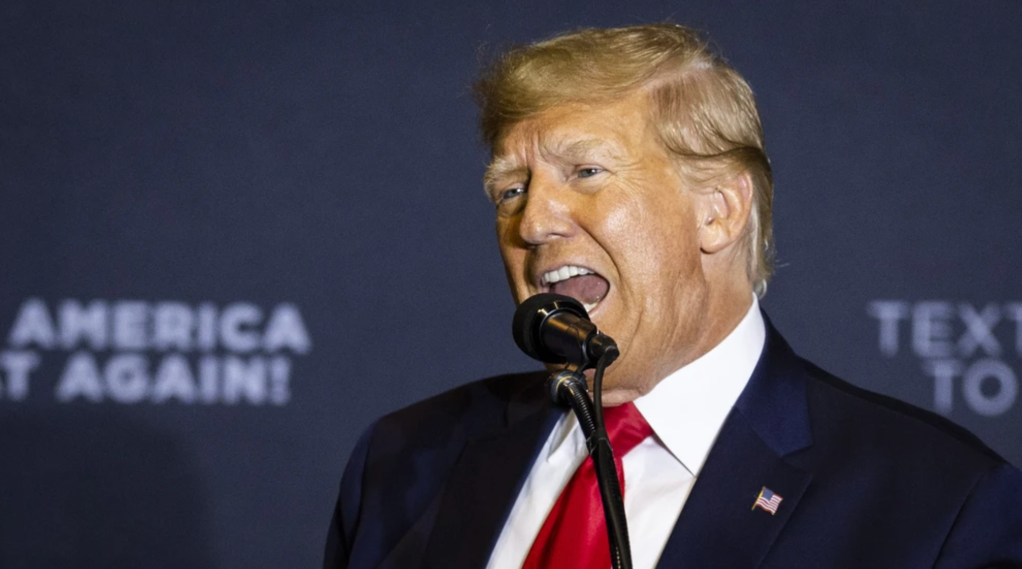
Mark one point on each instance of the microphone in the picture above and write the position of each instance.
(556, 329)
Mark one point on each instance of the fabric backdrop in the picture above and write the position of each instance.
(233, 233)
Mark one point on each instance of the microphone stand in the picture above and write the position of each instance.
(569, 386)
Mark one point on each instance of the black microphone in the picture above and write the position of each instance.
(556, 329)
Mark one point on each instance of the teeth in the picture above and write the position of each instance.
(589, 307)
(564, 273)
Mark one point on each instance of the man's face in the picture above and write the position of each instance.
(590, 205)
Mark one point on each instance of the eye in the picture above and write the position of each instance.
(589, 171)
(511, 200)
(510, 194)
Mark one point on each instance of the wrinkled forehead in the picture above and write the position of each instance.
(543, 127)
(550, 146)
(572, 133)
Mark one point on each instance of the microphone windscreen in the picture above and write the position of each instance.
(529, 318)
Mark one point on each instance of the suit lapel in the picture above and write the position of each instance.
(486, 481)
(718, 526)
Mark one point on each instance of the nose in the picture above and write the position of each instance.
(549, 211)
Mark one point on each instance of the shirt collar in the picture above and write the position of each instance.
(688, 408)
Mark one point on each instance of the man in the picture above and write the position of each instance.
(629, 172)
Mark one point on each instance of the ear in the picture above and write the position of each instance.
(726, 209)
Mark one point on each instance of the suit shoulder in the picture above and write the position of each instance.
(481, 403)
(888, 422)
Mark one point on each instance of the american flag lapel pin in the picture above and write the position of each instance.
(767, 500)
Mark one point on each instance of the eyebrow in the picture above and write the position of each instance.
(503, 166)
(578, 148)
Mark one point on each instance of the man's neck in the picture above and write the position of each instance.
(727, 314)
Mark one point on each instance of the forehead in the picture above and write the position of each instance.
(576, 130)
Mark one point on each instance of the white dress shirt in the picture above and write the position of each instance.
(686, 411)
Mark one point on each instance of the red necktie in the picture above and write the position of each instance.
(574, 535)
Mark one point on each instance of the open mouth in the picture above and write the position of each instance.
(580, 283)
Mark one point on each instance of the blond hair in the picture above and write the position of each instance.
(703, 110)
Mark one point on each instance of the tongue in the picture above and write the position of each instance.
(587, 289)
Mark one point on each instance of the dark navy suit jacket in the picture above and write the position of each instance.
(866, 481)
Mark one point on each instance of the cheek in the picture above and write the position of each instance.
(505, 238)
(653, 238)
(514, 266)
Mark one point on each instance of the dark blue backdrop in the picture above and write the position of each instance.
(189, 189)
